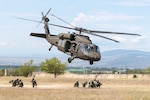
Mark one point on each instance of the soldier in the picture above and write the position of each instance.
(92, 84)
(95, 84)
(76, 84)
(16, 82)
(13, 83)
(34, 83)
(84, 84)
(98, 83)
(20, 83)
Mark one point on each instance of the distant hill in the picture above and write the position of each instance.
(113, 58)
(125, 58)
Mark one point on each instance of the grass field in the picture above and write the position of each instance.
(62, 88)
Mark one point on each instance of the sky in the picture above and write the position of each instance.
(130, 16)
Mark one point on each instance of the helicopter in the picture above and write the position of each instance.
(75, 44)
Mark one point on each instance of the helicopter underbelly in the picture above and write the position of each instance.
(90, 56)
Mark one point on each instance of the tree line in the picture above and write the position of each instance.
(53, 66)
(56, 67)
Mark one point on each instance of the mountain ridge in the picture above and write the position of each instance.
(126, 58)
(119, 58)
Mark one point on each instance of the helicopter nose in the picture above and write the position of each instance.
(95, 56)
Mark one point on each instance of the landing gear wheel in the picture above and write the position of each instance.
(50, 47)
(91, 62)
(69, 60)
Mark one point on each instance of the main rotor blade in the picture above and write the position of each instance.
(107, 32)
(62, 20)
(92, 32)
(42, 22)
(102, 37)
(48, 12)
(61, 26)
(27, 19)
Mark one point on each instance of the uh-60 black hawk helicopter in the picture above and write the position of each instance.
(74, 44)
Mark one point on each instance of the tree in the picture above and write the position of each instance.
(147, 70)
(53, 66)
(26, 69)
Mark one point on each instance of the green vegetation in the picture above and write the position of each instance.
(147, 70)
(53, 66)
(26, 69)
(13, 72)
(1, 72)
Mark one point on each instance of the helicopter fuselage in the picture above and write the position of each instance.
(78, 46)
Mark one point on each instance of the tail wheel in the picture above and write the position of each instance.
(91, 62)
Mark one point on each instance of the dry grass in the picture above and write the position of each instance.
(62, 88)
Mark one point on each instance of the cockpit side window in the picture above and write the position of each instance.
(88, 48)
(80, 48)
(83, 48)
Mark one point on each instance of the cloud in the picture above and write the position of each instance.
(134, 3)
(136, 43)
(3, 43)
(107, 21)
(102, 16)
(7, 45)
(135, 40)
(121, 39)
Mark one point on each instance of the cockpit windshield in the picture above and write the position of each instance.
(89, 48)
(97, 49)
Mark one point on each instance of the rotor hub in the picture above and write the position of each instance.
(46, 19)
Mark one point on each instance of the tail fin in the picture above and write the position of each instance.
(38, 35)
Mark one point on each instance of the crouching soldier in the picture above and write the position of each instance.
(76, 84)
(20, 83)
(13, 83)
(84, 84)
(98, 83)
(16, 82)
